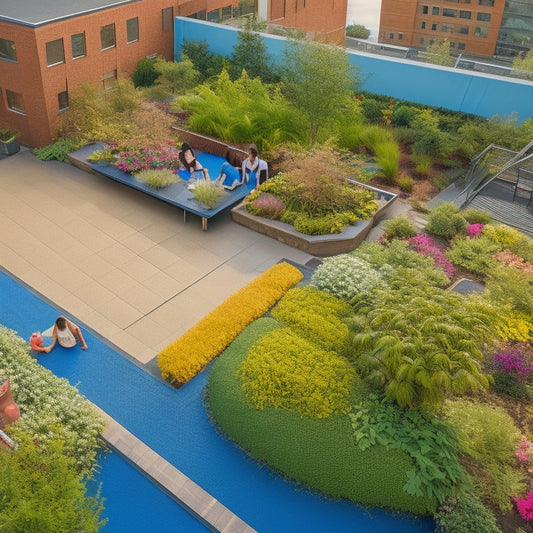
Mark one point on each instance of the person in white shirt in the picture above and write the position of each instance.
(251, 170)
(66, 334)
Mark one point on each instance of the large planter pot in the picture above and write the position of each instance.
(318, 245)
(9, 148)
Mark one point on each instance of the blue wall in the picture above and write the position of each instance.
(458, 90)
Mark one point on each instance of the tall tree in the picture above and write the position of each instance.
(319, 81)
(250, 54)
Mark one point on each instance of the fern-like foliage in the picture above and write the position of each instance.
(418, 345)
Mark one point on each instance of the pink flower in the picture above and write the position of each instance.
(525, 506)
(523, 449)
(473, 230)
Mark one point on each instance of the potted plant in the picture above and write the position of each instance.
(8, 142)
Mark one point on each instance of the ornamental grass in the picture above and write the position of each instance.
(187, 356)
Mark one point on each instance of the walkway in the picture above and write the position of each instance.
(124, 264)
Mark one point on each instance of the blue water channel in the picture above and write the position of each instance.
(175, 424)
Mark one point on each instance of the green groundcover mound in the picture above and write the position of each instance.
(318, 453)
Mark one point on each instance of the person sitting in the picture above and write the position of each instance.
(66, 334)
(252, 166)
(190, 164)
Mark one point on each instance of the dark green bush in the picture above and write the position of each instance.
(372, 110)
(402, 115)
(465, 515)
(508, 384)
(446, 221)
(204, 61)
(145, 73)
(357, 31)
(58, 150)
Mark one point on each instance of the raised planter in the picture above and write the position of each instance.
(9, 148)
(318, 245)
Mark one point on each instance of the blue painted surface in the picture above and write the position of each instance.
(174, 423)
(433, 85)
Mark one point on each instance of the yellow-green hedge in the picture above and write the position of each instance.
(187, 356)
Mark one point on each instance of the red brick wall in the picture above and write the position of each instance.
(322, 19)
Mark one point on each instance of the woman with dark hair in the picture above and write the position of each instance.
(191, 164)
(66, 334)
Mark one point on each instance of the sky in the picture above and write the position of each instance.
(365, 12)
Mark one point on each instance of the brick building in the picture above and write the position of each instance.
(48, 48)
(469, 25)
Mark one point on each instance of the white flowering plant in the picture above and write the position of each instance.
(346, 276)
(50, 407)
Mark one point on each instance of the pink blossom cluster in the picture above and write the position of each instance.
(525, 506)
(473, 230)
(523, 450)
(133, 161)
(515, 361)
(425, 245)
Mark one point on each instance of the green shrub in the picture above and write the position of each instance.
(349, 135)
(465, 515)
(372, 110)
(316, 453)
(285, 371)
(446, 221)
(158, 178)
(208, 192)
(474, 255)
(321, 225)
(504, 236)
(357, 31)
(489, 436)
(476, 216)
(423, 163)
(316, 316)
(405, 183)
(507, 384)
(50, 407)
(399, 227)
(402, 115)
(145, 73)
(346, 275)
(432, 444)
(387, 158)
(406, 267)
(106, 155)
(58, 150)
(511, 286)
(204, 61)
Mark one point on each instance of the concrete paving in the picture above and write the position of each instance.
(122, 263)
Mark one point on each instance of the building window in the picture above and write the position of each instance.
(55, 52)
(465, 14)
(391, 35)
(481, 31)
(489, 3)
(7, 50)
(213, 16)
(425, 10)
(423, 25)
(463, 30)
(484, 17)
(227, 12)
(434, 10)
(62, 99)
(449, 12)
(132, 30)
(400, 36)
(421, 41)
(107, 36)
(452, 44)
(433, 27)
(109, 79)
(461, 46)
(15, 101)
(199, 15)
(78, 45)
(167, 16)
(446, 28)
(466, 1)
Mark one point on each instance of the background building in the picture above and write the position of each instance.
(487, 27)
(50, 47)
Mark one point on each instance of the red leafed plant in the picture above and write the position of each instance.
(267, 205)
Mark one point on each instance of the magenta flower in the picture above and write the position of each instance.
(473, 230)
(525, 506)
(515, 361)
(425, 245)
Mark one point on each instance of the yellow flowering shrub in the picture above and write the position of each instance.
(183, 359)
(285, 371)
(316, 315)
(515, 327)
